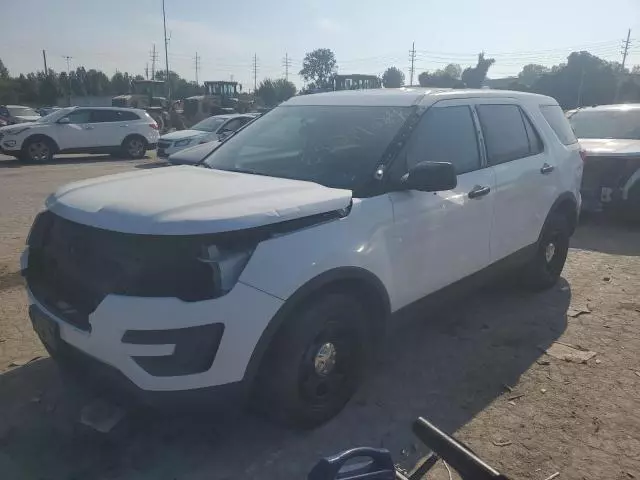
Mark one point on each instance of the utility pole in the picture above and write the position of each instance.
(44, 57)
(146, 71)
(154, 59)
(166, 52)
(625, 50)
(286, 63)
(626, 45)
(412, 57)
(68, 58)
(255, 72)
(197, 65)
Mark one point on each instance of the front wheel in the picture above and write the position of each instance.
(544, 269)
(37, 150)
(134, 147)
(315, 363)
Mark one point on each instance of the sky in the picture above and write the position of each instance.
(366, 36)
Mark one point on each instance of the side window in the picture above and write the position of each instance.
(232, 125)
(4, 112)
(127, 116)
(79, 116)
(535, 142)
(504, 133)
(445, 134)
(559, 123)
(104, 116)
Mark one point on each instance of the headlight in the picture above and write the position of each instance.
(182, 143)
(16, 131)
(227, 265)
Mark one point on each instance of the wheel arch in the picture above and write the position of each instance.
(566, 204)
(35, 136)
(134, 135)
(361, 283)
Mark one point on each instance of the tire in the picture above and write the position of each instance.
(134, 147)
(315, 363)
(545, 268)
(37, 150)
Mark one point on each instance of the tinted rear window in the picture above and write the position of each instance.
(504, 133)
(559, 123)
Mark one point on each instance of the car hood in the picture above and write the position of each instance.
(609, 147)
(189, 200)
(193, 155)
(184, 134)
(27, 118)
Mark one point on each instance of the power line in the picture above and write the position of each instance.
(255, 72)
(412, 56)
(286, 63)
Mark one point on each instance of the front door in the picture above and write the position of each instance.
(79, 133)
(441, 237)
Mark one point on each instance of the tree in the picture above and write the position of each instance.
(453, 70)
(319, 67)
(636, 70)
(474, 77)
(273, 92)
(392, 78)
(531, 72)
(449, 77)
(4, 73)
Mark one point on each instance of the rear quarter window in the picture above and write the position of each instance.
(556, 119)
(126, 116)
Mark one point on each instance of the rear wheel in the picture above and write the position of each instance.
(315, 363)
(38, 150)
(134, 147)
(544, 269)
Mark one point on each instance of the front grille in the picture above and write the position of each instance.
(610, 172)
(72, 267)
(162, 144)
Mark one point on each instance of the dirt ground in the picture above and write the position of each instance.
(452, 366)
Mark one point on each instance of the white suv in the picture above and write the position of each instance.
(274, 271)
(126, 131)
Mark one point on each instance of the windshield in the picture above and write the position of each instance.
(53, 116)
(210, 124)
(335, 146)
(22, 112)
(607, 124)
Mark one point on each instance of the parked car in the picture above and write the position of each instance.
(610, 137)
(275, 270)
(13, 114)
(193, 155)
(210, 129)
(44, 111)
(122, 131)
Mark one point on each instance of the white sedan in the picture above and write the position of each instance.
(210, 129)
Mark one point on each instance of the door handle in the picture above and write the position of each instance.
(479, 191)
(124, 126)
(546, 168)
(88, 127)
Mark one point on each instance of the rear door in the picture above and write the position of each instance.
(441, 237)
(524, 172)
(109, 126)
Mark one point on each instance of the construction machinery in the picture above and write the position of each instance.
(220, 97)
(144, 96)
(356, 82)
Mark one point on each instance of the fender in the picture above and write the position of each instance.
(306, 292)
(566, 198)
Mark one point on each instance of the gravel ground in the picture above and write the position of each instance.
(476, 368)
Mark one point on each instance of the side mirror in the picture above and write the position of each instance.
(431, 177)
(64, 121)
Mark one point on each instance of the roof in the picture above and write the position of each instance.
(620, 107)
(404, 97)
(16, 106)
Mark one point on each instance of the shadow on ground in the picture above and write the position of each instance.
(447, 366)
(605, 234)
(66, 160)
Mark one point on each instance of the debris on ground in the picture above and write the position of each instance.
(507, 387)
(515, 397)
(606, 279)
(577, 311)
(502, 444)
(543, 390)
(551, 477)
(21, 362)
(543, 362)
(101, 415)
(569, 353)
